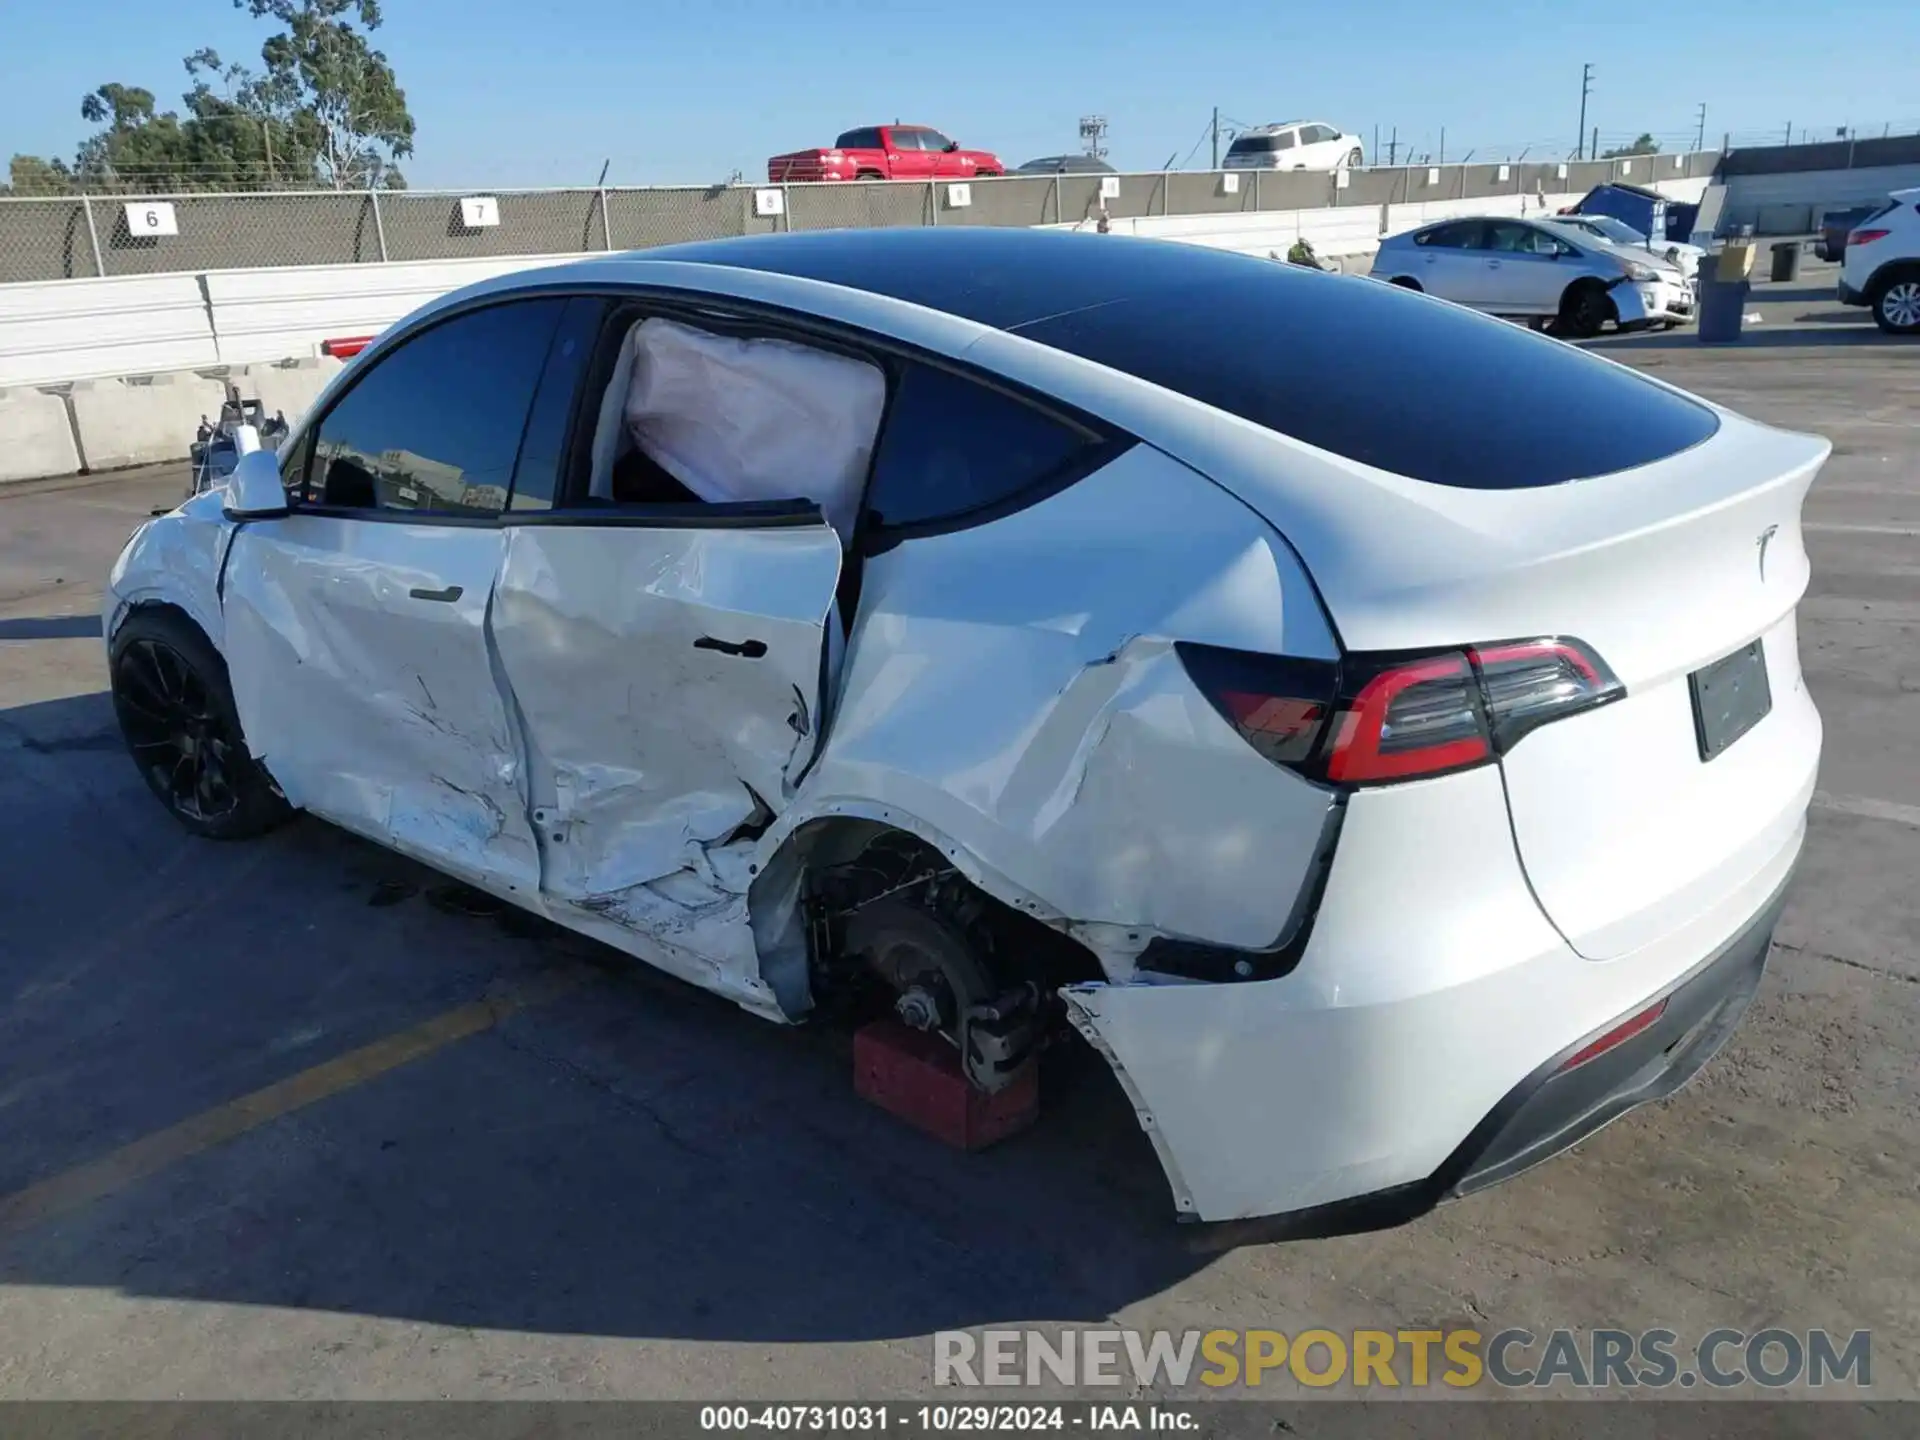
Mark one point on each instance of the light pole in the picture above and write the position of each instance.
(1586, 85)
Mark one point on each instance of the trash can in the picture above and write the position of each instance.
(1722, 303)
(1786, 260)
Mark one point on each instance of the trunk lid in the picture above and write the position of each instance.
(1624, 830)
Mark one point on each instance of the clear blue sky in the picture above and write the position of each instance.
(686, 92)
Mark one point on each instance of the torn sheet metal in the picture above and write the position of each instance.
(668, 682)
(362, 671)
(1034, 716)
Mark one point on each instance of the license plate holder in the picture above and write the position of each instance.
(1730, 697)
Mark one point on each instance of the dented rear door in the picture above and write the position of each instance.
(667, 671)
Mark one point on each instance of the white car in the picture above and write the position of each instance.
(1378, 730)
(1538, 270)
(1882, 265)
(1683, 257)
(1295, 145)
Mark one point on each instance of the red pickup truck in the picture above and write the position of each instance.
(887, 152)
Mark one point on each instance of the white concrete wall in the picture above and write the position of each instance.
(276, 314)
(35, 438)
(125, 422)
(1792, 203)
(268, 325)
(78, 329)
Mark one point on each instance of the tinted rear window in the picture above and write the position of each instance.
(1261, 144)
(1386, 377)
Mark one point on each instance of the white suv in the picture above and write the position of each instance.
(1882, 265)
(1391, 797)
(1295, 145)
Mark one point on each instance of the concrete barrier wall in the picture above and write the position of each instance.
(262, 329)
(50, 239)
(271, 315)
(36, 438)
(80, 329)
(1792, 202)
(140, 422)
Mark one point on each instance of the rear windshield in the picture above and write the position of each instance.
(1261, 144)
(1385, 377)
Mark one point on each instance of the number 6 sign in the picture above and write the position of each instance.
(151, 217)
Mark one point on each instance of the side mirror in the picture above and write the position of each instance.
(952, 145)
(255, 490)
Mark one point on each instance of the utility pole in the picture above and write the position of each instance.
(1586, 87)
(1393, 147)
(1443, 144)
(1093, 136)
(1216, 138)
(1700, 140)
(1595, 155)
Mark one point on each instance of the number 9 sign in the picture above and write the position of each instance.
(151, 217)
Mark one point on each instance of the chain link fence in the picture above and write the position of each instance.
(71, 238)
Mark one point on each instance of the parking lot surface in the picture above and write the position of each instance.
(282, 1119)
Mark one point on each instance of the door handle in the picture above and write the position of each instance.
(750, 649)
(448, 595)
(1493, 264)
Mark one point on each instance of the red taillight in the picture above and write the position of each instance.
(1417, 718)
(1618, 1035)
(1866, 237)
(1374, 719)
(1281, 727)
(345, 349)
(1526, 683)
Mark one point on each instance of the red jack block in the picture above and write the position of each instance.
(917, 1078)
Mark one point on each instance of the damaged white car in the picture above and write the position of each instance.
(1378, 730)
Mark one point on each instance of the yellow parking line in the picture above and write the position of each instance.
(149, 1155)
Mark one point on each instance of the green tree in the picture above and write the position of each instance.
(1645, 145)
(325, 111)
(337, 91)
(30, 175)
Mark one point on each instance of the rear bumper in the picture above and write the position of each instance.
(1849, 295)
(1561, 1103)
(1417, 1052)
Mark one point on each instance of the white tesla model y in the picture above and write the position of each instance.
(1379, 731)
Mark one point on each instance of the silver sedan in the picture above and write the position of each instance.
(1536, 270)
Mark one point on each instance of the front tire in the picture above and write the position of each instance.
(1355, 160)
(1584, 311)
(1896, 303)
(176, 712)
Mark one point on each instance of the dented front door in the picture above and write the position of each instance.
(364, 679)
(667, 672)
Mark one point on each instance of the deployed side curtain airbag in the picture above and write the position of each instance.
(755, 419)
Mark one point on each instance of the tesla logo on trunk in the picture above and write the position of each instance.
(1766, 539)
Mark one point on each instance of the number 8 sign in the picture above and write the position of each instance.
(151, 217)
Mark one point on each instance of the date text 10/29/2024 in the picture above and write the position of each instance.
(950, 1419)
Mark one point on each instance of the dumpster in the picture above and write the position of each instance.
(1722, 301)
(1786, 260)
